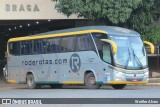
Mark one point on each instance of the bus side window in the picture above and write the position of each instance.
(91, 43)
(23, 48)
(85, 43)
(29, 48)
(56, 45)
(26, 48)
(49, 45)
(81, 45)
(99, 46)
(52, 45)
(107, 53)
(72, 43)
(14, 48)
(68, 44)
(39, 46)
(97, 38)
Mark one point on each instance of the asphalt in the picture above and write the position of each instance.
(5, 85)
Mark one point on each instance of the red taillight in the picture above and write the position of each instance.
(8, 59)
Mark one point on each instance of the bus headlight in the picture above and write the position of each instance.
(118, 73)
(119, 76)
(146, 73)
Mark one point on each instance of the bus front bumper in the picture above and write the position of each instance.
(129, 77)
(126, 82)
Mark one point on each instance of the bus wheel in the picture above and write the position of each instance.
(31, 82)
(90, 81)
(119, 86)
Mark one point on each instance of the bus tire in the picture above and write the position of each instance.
(90, 81)
(31, 82)
(119, 86)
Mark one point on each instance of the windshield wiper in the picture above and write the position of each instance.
(126, 65)
(135, 57)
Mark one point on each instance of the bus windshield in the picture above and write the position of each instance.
(131, 52)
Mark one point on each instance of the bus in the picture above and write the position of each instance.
(90, 56)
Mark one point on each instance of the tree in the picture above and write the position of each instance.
(135, 14)
(113, 11)
(153, 35)
(143, 17)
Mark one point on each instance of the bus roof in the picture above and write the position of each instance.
(109, 29)
(112, 30)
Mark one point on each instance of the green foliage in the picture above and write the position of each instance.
(114, 11)
(153, 35)
(135, 14)
(142, 18)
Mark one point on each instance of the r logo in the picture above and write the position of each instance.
(75, 62)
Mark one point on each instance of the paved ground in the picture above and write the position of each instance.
(4, 85)
(80, 92)
(154, 80)
(20, 91)
(131, 91)
(76, 91)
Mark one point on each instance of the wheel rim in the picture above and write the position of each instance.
(30, 81)
(92, 81)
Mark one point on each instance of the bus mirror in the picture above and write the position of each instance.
(150, 45)
(114, 46)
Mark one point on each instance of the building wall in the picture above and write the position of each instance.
(30, 9)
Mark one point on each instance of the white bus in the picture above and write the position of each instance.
(92, 56)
